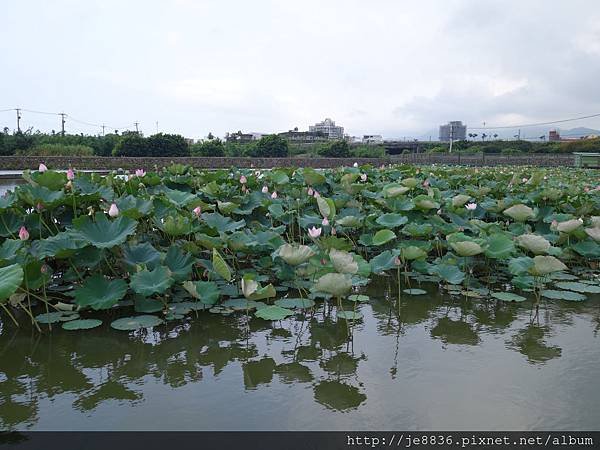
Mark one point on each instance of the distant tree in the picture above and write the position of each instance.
(212, 147)
(210, 136)
(131, 144)
(167, 145)
(272, 146)
(335, 149)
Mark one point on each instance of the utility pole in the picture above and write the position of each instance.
(136, 127)
(451, 137)
(103, 126)
(62, 123)
(18, 120)
(157, 127)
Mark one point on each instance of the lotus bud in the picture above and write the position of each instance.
(70, 175)
(314, 232)
(274, 195)
(317, 195)
(23, 234)
(426, 183)
(397, 261)
(310, 192)
(243, 179)
(265, 190)
(524, 180)
(39, 207)
(113, 211)
(42, 168)
(325, 222)
(363, 177)
(355, 164)
(69, 185)
(197, 211)
(333, 232)
(140, 173)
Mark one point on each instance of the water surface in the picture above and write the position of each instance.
(438, 363)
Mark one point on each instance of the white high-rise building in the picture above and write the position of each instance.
(329, 128)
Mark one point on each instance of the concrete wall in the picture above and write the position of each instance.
(93, 162)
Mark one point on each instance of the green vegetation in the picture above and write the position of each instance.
(57, 150)
(134, 144)
(280, 242)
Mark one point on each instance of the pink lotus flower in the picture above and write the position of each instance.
(243, 179)
(23, 234)
(265, 190)
(333, 232)
(113, 211)
(140, 173)
(39, 207)
(325, 222)
(310, 192)
(471, 206)
(363, 177)
(316, 194)
(586, 189)
(70, 175)
(426, 183)
(197, 211)
(42, 168)
(397, 261)
(314, 232)
(274, 194)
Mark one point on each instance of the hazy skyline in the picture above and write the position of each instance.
(396, 68)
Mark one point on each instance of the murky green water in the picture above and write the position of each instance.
(446, 363)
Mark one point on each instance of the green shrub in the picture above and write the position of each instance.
(271, 146)
(131, 144)
(368, 151)
(581, 145)
(211, 147)
(57, 150)
(163, 144)
(335, 149)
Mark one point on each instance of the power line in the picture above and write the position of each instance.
(535, 124)
(41, 112)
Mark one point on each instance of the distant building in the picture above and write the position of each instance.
(329, 128)
(372, 139)
(554, 135)
(303, 137)
(242, 138)
(454, 130)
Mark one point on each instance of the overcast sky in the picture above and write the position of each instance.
(391, 67)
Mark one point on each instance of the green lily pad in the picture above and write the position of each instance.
(82, 324)
(104, 233)
(578, 287)
(98, 292)
(136, 322)
(508, 297)
(52, 317)
(10, 279)
(147, 282)
(391, 220)
(273, 312)
(563, 295)
(383, 236)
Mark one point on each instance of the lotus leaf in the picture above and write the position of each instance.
(136, 322)
(520, 212)
(295, 254)
(534, 243)
(150, 282)
(104, 233)
(336, 284)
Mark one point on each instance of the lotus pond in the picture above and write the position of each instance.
(383, 291)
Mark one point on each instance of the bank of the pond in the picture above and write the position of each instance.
(111, 163)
